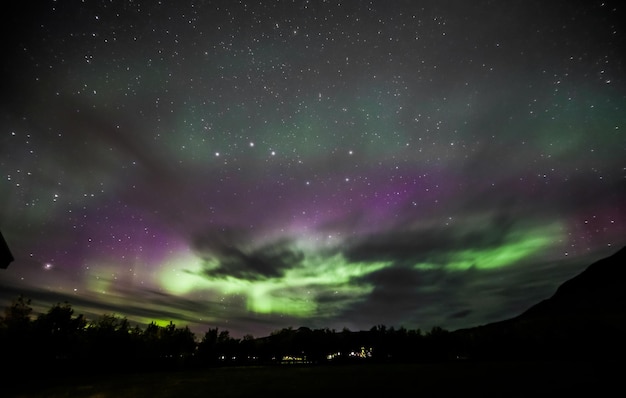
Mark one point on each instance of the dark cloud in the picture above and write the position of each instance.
(162, 306)
(427, 242)
(402, 295)
(237, 259)
(461, 314)
(399, 293)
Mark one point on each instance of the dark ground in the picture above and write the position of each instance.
(494, 379)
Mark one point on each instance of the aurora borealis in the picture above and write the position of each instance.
(259, 165)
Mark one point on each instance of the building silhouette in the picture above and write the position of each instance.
(5, 253)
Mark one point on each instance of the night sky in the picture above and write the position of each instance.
(256, 165)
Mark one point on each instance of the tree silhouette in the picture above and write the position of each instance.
(17, 315)
(58, 333)
(207, 348)
(177, 342)
(109, 343)
(16, 332)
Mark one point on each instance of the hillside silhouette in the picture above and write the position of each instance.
(597, 292)
(584, 318)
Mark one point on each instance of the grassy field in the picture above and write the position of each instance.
(506, 379)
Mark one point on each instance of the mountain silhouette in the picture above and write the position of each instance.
(597, 292)
(584, 318)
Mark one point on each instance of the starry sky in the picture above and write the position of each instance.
(256, 165)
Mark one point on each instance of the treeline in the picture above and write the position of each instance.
(61, 338)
